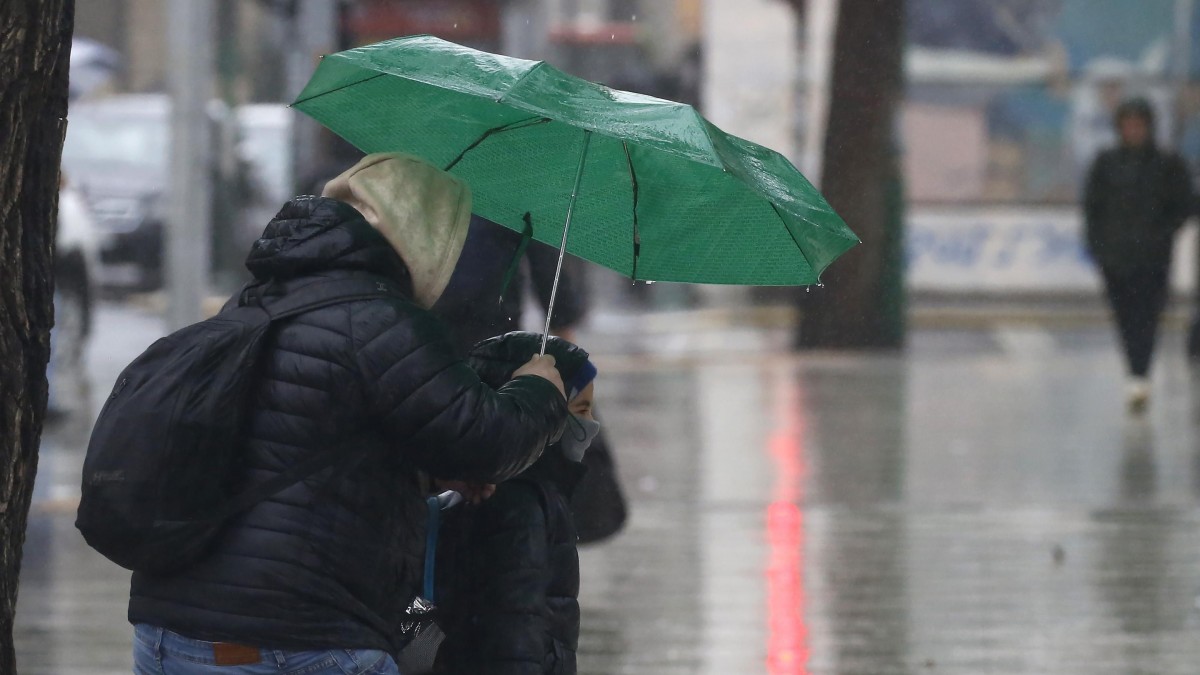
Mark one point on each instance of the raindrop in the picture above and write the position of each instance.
(456, 25)
(633, 18)
(613, 36)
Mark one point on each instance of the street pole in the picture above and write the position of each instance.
(820, 21)
(1182, 60)
(189, 226)
(314, 26)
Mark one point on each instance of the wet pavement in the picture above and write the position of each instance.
(981, 504)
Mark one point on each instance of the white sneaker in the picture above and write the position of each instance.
(1139, 394)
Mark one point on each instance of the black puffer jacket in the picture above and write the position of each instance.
(1135, 201)
(508, 570)
(513, 608)
(333, 561)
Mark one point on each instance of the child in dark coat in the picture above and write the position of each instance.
(508, 569)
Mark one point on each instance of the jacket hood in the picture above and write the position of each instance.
(422, 211)
(310, 235)
(1137, 107)
(496, 359)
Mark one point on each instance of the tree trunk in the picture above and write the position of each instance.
(35, 44)
(861, 305)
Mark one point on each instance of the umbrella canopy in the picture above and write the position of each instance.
(656, 191)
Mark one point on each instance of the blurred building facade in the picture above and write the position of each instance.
(1008, 100)
(1008, 103)
(643, 43)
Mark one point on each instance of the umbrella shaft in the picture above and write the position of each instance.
(562, 249)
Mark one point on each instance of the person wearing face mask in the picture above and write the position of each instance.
(508, 568)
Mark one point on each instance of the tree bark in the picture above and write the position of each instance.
(861, 305)
(35, 44)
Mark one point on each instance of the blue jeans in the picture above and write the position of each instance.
(160, 652)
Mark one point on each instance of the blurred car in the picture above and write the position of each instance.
(117, 153)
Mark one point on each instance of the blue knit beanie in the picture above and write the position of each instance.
(581, 379)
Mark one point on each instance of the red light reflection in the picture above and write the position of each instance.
(787, 639)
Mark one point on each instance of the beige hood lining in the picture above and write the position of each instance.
(422, 211)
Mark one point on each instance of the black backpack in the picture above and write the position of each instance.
(161, 473)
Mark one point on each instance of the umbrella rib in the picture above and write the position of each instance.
(334, 91)
(796, 241)
(712, 144)
(512, 126)
(637, 236)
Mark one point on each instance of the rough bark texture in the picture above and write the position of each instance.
(862, 303)
(35, 41)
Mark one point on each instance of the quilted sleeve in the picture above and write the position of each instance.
(434, 406)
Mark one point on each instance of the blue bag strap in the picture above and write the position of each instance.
(431, 538)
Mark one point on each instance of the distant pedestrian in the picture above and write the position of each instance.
(508, 569)
(1137, 196)
(76, 255)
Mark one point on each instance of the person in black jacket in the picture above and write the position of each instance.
(1137, 196)
(473, 305)
(474, 309)
(316, 578)
(508, 570)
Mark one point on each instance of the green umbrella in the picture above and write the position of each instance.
(658, 192)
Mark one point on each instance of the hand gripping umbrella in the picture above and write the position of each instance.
(659, 192)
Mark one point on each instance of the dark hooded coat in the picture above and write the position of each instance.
(508, 570)
(332, 562)
(1135, 200)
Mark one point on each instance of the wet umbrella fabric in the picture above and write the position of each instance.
(655, 190)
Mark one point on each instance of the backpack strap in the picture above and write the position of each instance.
(306, 299)
(318, 294)
(268, 488)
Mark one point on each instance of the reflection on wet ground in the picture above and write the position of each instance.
(982, 504)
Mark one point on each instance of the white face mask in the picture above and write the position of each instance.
(578, 437)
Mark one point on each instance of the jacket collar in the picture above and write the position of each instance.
(553, 468)
(315, 235)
